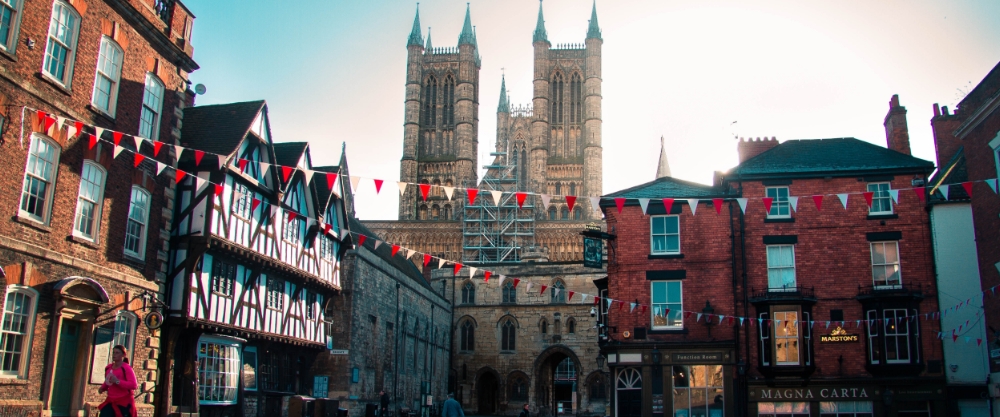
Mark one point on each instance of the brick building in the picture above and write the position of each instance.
(83, 247)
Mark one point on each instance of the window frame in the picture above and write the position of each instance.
(665, 235)
(770, 268)
(229, 280)
(141, 238)
(676, 312)
(508, 335)
(784, 327)
(768, 336)
(17, 9)
(154, 124)
(467, 337)
(559, 298)
(469, 293)
(113, 79)
(230, 375)
(780, 202)
(244, 374)
(880, 198)
(98, 202)
(242, 203)
(29, 327)
(274, 297)
(69, 59)
(899, 270)
(50, 182)
(508, 293)
(879, 335)
(131, 321)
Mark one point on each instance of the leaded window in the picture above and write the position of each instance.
(467, 336)
(242, 200)
(275, 293)
(508, 335)
(509, 293)
(223, 277)
(469, 293)
(558, 294)
(218, 370)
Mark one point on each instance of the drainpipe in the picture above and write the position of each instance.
(395, 353)
(746, 297)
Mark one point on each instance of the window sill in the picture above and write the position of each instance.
(667, 331)
(780, 220)
(84, 241)
(103, 114)
(883, 216)
(35, 224)
(667, 256)
(55, 83)
(8, 55)
(133, 258)
(13, 381)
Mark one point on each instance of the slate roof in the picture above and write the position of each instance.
(319, 183)
(954, 172)
(820, 157)
(218, 128)
(665, 187)
(289, 153)
(384, 251)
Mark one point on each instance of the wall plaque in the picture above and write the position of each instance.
(696, 357)
(838, 335)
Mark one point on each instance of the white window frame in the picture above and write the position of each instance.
(25, 349)
(152, 108)
(674, 319)
(995, 146)
(96, 198)
(891, 334)
(218, 372)
(785, 331)
(275, 294)
(62, 9)
(125, 332)
(242, 205)
(880, 198)
(140, 253)
(652, 236)
(780, 207)
(771, 284)
(886, 265)
(109, 68)
(47, 175)
(14, 7)
(223, 284)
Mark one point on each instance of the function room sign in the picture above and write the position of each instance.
(812, 393)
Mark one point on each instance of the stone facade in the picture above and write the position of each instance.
(82, 292)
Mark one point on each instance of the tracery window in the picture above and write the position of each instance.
(508, 335)
(430, 102)
(576, 98)
(469, 293)
(556, 95)
(449, 101)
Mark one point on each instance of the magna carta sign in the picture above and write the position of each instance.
(838, 335)
(809, 393)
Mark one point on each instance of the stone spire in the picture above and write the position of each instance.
(429, 46)
(415, 37)
(504, 106)
(594, 31)
(467, 36)
(663, 168)
(540, 34)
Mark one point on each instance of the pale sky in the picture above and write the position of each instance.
(333, 72)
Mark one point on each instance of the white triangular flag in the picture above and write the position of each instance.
(441, 263)
(527, 288)
(693, 203)
(237, 195)
(199, 182)
(895, 196)
(721, 317)
(59, 122)
(402, 187)
(545, 201)
(309, 175)
(472, 271)
(643, 202)
(595, 203)
(743, 204)
(178, 151)
(222, 161)
(377, 242)
(409, 253)
(98, 131)
(697, 319)
(843, 199)
(502, 277)
(944, 190)
(584, 299)
(609, 301)
(496, 197)
(354, 183)
(71, 131)
(992, 182)
(159, 167)
(118, 150)
(631, 307)
(138, 142)
(264, 166)
(794, 202)
(448, 191)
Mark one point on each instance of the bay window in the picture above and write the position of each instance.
(218, 370)
(667, 302)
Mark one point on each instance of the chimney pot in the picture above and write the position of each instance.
(894, 102)
(937, 110)
(897, 136)
(945, 110)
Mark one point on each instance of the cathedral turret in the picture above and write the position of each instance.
(467, 36)
(415, 37)
(540, 34)
(429, 47)
(594, 30)
(592, 151)
(504, 106)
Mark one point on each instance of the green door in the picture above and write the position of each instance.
(62, 384)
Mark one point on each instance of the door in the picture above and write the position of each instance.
(65, 370)
(487, 397)
(630, 403)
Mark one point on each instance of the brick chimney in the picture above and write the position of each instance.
(750, 148)
(945, 143)
(897, 137)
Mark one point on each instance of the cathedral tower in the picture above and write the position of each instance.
(440, 139)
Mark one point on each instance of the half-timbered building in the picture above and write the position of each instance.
(258, 242)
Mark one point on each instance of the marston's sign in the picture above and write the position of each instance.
(805, 393)
(838, 335)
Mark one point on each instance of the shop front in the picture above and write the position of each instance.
(847, 399)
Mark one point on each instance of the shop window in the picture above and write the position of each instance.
(782, 409)
(218, 370)
(250, 368)
(277, 371)
(845, 409)
(698, 390)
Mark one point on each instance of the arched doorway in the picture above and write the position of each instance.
(556, 371)
(486, 390)
(628, 393)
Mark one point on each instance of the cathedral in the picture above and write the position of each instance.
(510, 345)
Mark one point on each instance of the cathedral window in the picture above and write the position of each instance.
(469, 293)
(430, 103)
(518, 388)
(422, 212)
(467, 336)
(509, 293)
(558, 294)
(564, 213)
(508, 335)
(446, 214)
(435, 212)
(577, 214)
(558, 188)
(556, 95)
(552, 213)
(576, 98)
(543, 326)
(449, 101)
(572, 188)
(570, 325)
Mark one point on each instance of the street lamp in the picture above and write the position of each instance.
(600, 361)
(657, 356)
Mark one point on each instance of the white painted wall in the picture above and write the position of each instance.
(957, 270)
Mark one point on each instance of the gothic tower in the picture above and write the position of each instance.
(440, 139)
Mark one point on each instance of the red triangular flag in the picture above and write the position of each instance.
(361, 239)
(920, 193)
(378, 186)
(49, 122)
(620, 202)
(254, 204)
(520, 199)
(395, 250)
(458, 267)
(643, 308)
(218, 190)
(424, 189)
(197, 157)
(292, 215)
(570, 295)
(570, 201)
(542, 292)
(41, 116)
(717, 202)
(868, 198)
(156, 147)
(516, 281)
(427, 259)
(79, 127)
(818, 199)
(93, 140)
(138, 159)
(327, 227)
(621, 304)
(596, 300)
(668, 204)
(117, 136)
(487, 276)
(471, 193)
(285, 172)
(180, 176)
(243, 164)
(768, 201)
(968, 188)
(687, 314)
(331, 178)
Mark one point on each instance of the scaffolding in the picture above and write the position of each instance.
(494, 233)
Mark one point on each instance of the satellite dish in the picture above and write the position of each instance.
(200, 89)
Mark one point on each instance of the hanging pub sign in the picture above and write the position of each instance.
(153, 320)
(838, 335)
(592, 252)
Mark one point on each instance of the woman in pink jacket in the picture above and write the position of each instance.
(119, 381)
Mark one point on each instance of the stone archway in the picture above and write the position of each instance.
(487, 391)
(78, 302)
(555, 384)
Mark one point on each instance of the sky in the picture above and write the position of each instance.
(699, 74)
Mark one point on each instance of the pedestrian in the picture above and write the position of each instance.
(384, 399)
(525, 412)
(452, 408)
(119, 381)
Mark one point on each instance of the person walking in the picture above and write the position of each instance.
(384, 400)
(119, 381)
(525, 412)
(452, 408)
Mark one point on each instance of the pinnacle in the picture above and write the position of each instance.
(415, 37)
(467, 36)
(540, 34)
(594, 30)
(504, 106)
